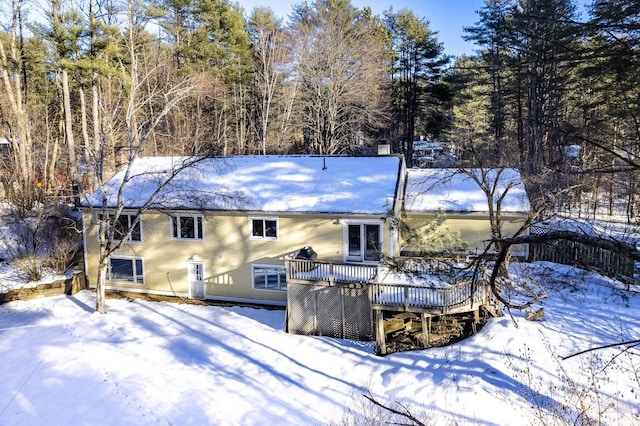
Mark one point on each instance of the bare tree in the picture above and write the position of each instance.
(42, 238)
(269, 54)
(613, 245)
(342, 68)
(147, 103)
(17, 112)
(497, 184)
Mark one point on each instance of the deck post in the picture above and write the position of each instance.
(484, 292)
(426, 327)
(445, 298)
(406, 298)
(331, 283)
(380, 336)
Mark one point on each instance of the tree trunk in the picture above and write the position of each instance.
(10, 69)
(100, 284)
(85, 133)
(68, 127)
(53, 156)
(98, 152)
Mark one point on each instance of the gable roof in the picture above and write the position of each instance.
(300, 184)
(449, 190)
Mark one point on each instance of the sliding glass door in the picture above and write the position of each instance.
(363, 242)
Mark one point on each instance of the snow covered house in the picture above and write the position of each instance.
(433, 154)
(462, 201)
(224, 227)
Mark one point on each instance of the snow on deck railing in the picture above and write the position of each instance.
(444, 299)
(439, 296)
(331, 273)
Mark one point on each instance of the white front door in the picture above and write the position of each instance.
(195, 277)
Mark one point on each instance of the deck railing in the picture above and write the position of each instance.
(444, 299)
(307, 272)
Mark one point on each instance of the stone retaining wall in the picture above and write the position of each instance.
(71, 285)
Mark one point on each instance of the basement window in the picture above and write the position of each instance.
(125, 269)
(269, 277)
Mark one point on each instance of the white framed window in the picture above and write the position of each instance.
(123, 224)
(269, 277)
(263, 228)
(187, 227)
(125, 269)
(362, 240)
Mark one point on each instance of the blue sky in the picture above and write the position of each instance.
(447, 17)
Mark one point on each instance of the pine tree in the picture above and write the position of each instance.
(420, 99)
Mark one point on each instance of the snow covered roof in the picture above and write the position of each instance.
(450, 190)
(302, 184)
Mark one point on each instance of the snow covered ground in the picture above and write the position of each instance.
(168, 363)
(12, 278)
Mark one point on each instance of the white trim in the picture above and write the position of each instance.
(267, 266)
(264, 219)
(129, 215)
(136, 275)
(358, 221)
(195, 217)
(395, 236)
(345, 238)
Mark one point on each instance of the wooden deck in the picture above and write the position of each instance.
(326, 273)
(392, 308)
(463, 296)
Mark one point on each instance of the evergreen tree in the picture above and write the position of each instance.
(420, 98)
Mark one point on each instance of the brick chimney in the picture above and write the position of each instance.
(121, 156)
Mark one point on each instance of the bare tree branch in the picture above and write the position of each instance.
(615, 246)
(630, 344)
(405, 413)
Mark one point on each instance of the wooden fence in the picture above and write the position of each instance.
(573, 253)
